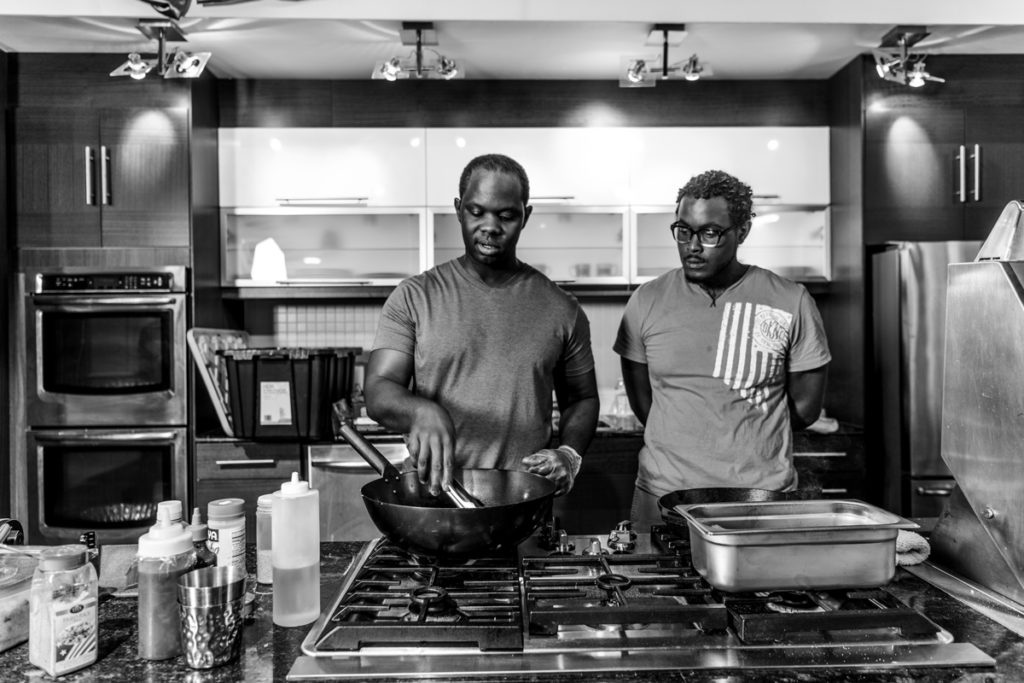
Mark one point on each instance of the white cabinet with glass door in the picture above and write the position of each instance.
(788, 165)
(565, 166)
(792, 241)
(372, 167)
(323, 245)
(577, 246)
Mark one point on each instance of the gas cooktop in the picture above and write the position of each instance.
(593, 603)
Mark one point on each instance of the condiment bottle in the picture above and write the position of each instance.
(296, 553)
(165, 553)
(204, 556)
(174, 508)
(63, 620)
(226, 520)
(264, 539)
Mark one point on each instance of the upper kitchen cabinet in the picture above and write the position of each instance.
(789, 165)
(358, 167)
(101, 177)
(941, 161)
(566, 166)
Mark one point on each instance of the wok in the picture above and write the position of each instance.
(514, 504)
(722, 494)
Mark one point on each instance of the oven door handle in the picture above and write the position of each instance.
(70, 303)
(92, 435)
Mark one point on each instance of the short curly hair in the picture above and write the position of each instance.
(737, 194)
(499, 163)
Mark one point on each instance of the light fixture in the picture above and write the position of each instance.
(176, 64)
(894, 61)
(643, 72)
(421, 62)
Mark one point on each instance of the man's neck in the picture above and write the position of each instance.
(495, 275)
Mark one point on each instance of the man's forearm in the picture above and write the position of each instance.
(578, 422)
(391, 405)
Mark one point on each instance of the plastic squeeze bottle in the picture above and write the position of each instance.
(165, 553)
(295, 553)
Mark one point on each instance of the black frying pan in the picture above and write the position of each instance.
(701, 496)
(514, 505)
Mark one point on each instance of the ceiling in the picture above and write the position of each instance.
(518, 39)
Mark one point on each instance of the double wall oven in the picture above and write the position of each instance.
(105, 400)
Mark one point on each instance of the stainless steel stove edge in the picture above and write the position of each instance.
(996, 607)
(509, 664)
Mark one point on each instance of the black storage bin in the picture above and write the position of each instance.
(286, 393)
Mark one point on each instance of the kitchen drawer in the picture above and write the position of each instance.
(839, 452)
(247, 460)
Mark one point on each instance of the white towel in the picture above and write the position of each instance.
(911, 548)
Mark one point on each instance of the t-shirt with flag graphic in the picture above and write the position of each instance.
(719, 415)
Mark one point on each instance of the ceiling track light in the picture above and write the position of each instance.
(894, 61)
(423, 62)
(644, 72)
(175, 64)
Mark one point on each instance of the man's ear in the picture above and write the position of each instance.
(742, 232)
(527, 211)
(457, 203)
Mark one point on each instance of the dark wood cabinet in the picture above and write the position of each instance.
(941, 162)
(101, 177)
(242, 469)
(831, 463)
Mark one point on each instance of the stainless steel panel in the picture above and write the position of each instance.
(983, 402)
(338, 472)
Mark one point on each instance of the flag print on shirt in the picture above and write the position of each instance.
(752, 347)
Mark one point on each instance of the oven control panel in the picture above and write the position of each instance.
(121, 282)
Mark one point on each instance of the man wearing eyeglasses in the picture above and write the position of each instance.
(721, 360)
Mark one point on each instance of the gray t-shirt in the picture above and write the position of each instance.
(719, 415)
(488, 354)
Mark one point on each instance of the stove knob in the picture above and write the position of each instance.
(620, 542)
(625, 527)
(564, 545)
(594, 548)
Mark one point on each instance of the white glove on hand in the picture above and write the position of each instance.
(560, 465)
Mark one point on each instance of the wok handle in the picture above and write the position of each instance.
(366, 450)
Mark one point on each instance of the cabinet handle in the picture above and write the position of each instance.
(320, 201)
(550, 198)
(976, 157)
(820, 454)
(90, 193)
(105, 175)
(961, 158)
(264, 462)
(929, 491)
(836, 492)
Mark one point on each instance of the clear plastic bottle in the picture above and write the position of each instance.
(63, 617)
(204, 556)
(165, 553)
(622, 414)
(264, 539)
(295, 522)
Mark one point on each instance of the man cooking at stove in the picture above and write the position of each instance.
(721, 360)
(467, 354)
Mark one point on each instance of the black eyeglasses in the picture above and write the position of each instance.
(709, 237)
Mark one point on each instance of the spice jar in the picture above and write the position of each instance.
(204, 556)
(63, 620)
(225, 518)
(264, 532)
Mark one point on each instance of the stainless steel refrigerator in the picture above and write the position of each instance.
(908, 315)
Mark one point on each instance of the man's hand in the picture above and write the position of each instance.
(431, 443)
(560, 465)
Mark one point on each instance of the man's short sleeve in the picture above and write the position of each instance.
(809, 349)
(578, 357)
(397, 327)
(629, 341)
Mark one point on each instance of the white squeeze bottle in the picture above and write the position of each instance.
(295, 553)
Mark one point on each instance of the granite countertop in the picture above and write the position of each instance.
(269, 651)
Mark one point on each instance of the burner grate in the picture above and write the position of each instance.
(813, 615)
(397, 599)
(627, 590)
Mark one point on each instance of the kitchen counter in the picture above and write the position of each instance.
(269, 651)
